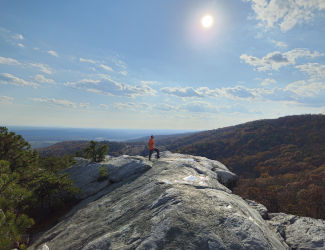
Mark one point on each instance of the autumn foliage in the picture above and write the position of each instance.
(281, 162)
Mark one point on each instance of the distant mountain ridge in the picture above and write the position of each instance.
(281, 162)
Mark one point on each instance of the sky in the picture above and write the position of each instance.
(152, 64)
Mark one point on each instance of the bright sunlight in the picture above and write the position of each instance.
(207, 21)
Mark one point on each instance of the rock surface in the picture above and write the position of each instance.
(177, 202)
(299, 232)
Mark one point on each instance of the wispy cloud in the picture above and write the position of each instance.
(43, 79)
(280, 44)
(107, 86)
(87, 60)
(303, 88)
(53, 53)
(199, 107)
(18, 37)
(9, 61)
(103, 66)
(6, 78)
(236, 93)
(42, 67)
(21, 45)
(276, 60)
(11, 37)
(181, 92)
(315, 70)
(100, 65)
(268, 81)
(165, 107)
(285, 14)
(132, 106)
(56, 102)
(6, 100)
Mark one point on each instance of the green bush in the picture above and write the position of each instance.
(103, 174)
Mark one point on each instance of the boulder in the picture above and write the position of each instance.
(177, 202)
(261, 209)
(299, 232)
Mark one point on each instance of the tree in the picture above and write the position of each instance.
(95, 151)
(15, 150)
(13, 198)
(25, 185)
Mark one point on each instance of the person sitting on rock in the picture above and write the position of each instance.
(152, 148)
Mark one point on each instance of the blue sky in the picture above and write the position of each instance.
(151, 64)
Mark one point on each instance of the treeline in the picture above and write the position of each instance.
(30, 188)
(75, 148)
(281, 162)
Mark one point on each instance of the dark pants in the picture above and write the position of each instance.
(151, 151)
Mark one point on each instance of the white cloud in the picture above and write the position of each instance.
(123, 72)
(87, 60)
(150, 82)
(268, 81)
(280, 44)
(42, 67)
(205, 91)
(285, 13)
(21, 45)
(57, 102)
(103, 66)
(107, 86)
(303, 88)
(6, 100)
(132, 106)
(165, 107)
(119, 63)
(96, 91)
(237, 92)
(18, 37)
(43, 79)
(276, 60)
(181, 92)
(8, 61)
(199, 107)
(53, 53)
(6, 78)
(315, 70)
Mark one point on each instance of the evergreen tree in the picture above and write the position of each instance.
(95, 151)
(27, 184)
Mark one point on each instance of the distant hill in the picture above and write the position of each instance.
(63, 148)
(281, 162)
(130, 147)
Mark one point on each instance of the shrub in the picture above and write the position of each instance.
(103, 174)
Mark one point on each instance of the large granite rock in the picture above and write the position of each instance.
(299, 232)
(177, 202)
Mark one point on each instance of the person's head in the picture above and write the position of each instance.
(152, 136)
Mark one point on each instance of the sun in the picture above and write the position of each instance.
(207, 21)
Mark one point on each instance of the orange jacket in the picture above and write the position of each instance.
(151, 144)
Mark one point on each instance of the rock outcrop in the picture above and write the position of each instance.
(177, 202)
(299, 232)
